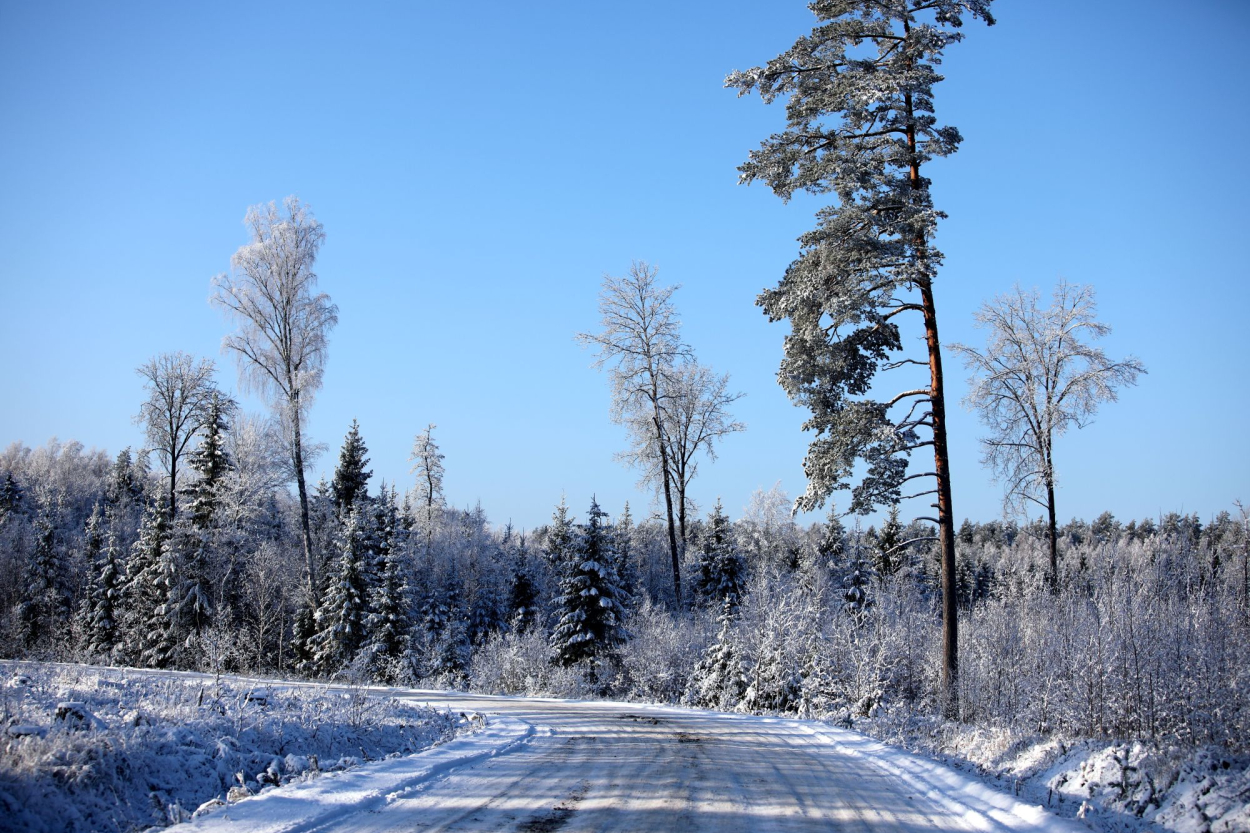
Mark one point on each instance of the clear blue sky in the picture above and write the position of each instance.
(478, 167)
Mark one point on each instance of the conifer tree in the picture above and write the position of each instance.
(889, 552)
(721, 578)
(351, 479)
(389, 620)
(560, 538)
(147, 628)
(45, 608)
(855, 585)
(10, 496)
(719, 681)
(523, 598)
(341, 616)
(95, 611)
(591, 620)
(211, 462)
(860, 124)
(626, 570)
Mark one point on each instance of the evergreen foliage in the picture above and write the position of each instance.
(211, 462)
(591, 619)
(340, 618)
(719, 681)
(889, 553)
(721, 576)
(351, 479)
(389, 621)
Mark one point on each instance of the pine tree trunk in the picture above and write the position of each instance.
(941, 457)
(946, 525)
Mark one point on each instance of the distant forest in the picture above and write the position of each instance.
(1147, 634)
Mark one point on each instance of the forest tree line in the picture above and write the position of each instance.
(1148, 635)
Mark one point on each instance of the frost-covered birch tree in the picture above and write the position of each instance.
(641, 344)
(861, 126)
(283, 325)
(1039, 375)
(427, 465)
(695, 406)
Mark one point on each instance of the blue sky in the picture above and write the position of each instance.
(479, 168)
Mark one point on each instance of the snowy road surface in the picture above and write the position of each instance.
(586, 766)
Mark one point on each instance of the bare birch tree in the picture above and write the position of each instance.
(1038, 376)
(283, 325)
(695, 406)
(641, 343)
(427, 465)
(180, 391)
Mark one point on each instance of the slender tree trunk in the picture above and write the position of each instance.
(946, 525)
(1054, 536)
(173, 494)
(941, 457)
(668, 501)
(297, 454)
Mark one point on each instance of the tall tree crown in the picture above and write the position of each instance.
(860, 125)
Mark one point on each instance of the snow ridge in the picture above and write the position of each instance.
(303, 808)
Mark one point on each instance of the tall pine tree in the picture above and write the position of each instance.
(860, 124)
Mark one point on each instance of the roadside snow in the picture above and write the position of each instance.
(1120, 787)
(106, 750)
(367, 788)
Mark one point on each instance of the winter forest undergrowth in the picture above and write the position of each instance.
(1143, 649)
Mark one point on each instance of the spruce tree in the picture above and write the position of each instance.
(341, 616)
(889, 551)
(45, 605)
(860, 125)
(389, 619)
(626, 571)
(721, 572)
(10, 496)
(560, 538)
(211, 462)
(523, 597)
(591, 620)
(351, 479)
(719, 681)
(96, 613)
(147, 638)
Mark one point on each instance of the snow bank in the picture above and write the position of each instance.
(106, 750)
(317, 803)
(966, 797)
(1110, 786)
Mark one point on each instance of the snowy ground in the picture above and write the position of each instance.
(152, 754)
(1112, 786)
(103, 750)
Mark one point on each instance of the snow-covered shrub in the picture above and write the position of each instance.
(658, 661)
(521, 663)
(151, 748)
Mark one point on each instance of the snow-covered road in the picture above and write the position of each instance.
(548, 765)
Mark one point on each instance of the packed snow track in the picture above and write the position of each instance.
(591, 766)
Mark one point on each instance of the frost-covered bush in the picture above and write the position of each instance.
(521, 663)
(659, 659)
(150, 749)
